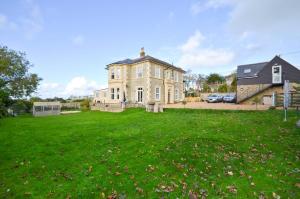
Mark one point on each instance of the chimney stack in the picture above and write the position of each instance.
(142, 53)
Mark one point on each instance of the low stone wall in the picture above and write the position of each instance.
(245, 91)
(268, 92)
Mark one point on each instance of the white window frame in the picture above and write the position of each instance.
(157, 94)
(277, 77)
(139, 71)
(247, 70)
(177, 94)
(112, 73)
(117, 93)
(157, 72)
(176, 76)
(140, 89)
(118, 73)
(112, 93)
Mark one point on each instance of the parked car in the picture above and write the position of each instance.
(214, 98)
(230, 98)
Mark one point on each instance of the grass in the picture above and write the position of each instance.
(135, 154)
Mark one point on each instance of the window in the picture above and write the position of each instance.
(157, 71)
(140, 95)
(139, 71)
(176, 94)
(97, 94)
(47, 108)
(38, 108)
(118, 93)
(157, 93)
(248, 70)
(112, 73)
(276, 69)
(112, 93)
(167, 74)
(176, 76)
(55, 108)
(118, 73)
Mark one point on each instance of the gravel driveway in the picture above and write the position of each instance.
(221, 106)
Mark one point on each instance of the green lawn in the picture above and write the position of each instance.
(134, 154)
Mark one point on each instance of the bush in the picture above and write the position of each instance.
(85, 105)
(272, 108)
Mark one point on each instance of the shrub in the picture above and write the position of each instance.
(85, 105)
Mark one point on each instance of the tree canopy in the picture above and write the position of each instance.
(15, 79)
(215, 78)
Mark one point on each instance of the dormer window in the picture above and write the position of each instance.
(248, 70)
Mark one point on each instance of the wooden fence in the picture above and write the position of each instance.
(293, 102)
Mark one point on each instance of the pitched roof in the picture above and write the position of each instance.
(145, 58)
(250, 70)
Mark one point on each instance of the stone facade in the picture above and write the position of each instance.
(266, 93)
(246, 91)
(143, 82)
(100, 96)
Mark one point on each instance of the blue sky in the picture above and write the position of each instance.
(71, 42)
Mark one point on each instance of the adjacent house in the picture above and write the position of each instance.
(100, 96)
(263, 79)
(143, 80)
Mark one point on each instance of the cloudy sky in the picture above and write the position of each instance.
(70, 42)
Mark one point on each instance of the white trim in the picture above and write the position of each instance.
(139, 70)
(118, 73)
(136, 94)
(112, 72)
(277, 75)
(157, 71)
(159, 93)
(176, 94)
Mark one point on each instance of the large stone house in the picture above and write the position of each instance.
(143, 80)
(261, 80)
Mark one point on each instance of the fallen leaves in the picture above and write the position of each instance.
(165, 188)
(276, 196)
(150, 168)
(230, 173)
(232, 189)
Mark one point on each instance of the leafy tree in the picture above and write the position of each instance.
(256, 101)
(234, 83)
(223, 88)
(200, 80)
(15, 80)
(215, 78)
(206, 88)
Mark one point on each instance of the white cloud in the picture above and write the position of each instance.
(77, 86)
(5, 23)
(194, 55)
(201, 6)
(256, 15)
(266, 15)
(253, 46)
(80, 86)
(78, 40)
(47, 89)
(193, 42)
(32, 23)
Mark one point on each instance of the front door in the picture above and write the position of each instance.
(169, 96)
(140, 95)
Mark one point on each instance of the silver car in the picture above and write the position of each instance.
(214, 98)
